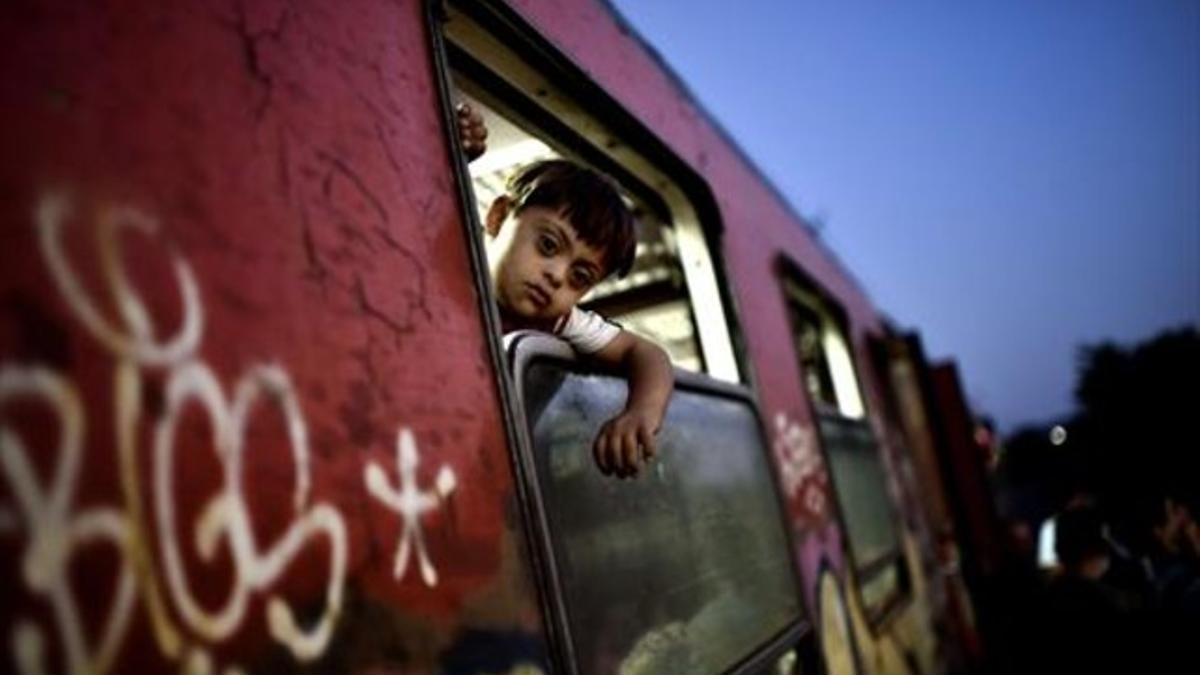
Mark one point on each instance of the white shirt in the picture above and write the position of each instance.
(587, 332)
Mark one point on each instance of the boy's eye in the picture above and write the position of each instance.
(547, 245)
(581, 278)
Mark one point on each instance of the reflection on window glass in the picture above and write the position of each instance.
(823, 351)
(810, 349)
(861, 487)
(684, 570)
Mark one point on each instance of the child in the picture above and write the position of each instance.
(561, 229)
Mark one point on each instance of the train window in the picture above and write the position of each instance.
(851, 449)
(671, 295)
(652, 299)
(688, 568)
(684, 570)
(862, 495)
(824, 355)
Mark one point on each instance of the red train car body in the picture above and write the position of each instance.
(255, 414)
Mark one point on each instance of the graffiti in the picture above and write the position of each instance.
(226, 514)
(410, 502)
(57, 531)
(800, 466)
(54, 532)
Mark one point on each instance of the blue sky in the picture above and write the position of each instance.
(1013, 179)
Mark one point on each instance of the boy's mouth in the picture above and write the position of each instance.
(538, 295)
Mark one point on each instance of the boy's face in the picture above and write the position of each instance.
(540, 268)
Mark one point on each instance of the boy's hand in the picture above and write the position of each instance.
(626, 442)
(472, 133)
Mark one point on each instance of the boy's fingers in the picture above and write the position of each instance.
(632, 457)
(598, 450)
(616, 455)
(646, 438)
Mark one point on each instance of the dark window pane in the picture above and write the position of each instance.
(861, 487)
(683, 570)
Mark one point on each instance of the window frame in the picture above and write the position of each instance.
(791, 278)
(625, 140)
(527, 42)
(527, 347)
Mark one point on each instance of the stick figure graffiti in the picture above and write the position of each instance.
(410, 502)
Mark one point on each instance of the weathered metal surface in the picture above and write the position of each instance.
(760, 228)
(249, 420)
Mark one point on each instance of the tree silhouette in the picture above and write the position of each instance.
(1136, 420)
(1131, 439)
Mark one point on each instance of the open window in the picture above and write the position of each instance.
(672, 295)
(826, 363)
(688, 569)
(684, 570)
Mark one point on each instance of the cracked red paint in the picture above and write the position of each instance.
(293, 154)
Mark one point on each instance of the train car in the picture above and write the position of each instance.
(257, 415)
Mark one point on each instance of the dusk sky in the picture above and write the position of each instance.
(1013, 179)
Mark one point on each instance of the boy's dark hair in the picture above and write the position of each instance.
(588, 199)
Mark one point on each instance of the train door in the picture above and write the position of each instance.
(688, 569)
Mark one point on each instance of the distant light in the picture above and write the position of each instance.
(1046, 556)
(1058, 435)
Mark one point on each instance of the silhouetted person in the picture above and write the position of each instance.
(1013, 598)
(1172, 554)
(1084, 629)
(1174, 559)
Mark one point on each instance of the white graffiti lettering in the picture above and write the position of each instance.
(56, 530)
(227, 514)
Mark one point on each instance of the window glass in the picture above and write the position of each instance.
(861, 488)
(683, 570)
(810, 349)
(823, 352)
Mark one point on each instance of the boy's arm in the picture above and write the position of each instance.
(627, 439)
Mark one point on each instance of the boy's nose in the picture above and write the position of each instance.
(555, 273)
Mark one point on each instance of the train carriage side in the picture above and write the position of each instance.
(844, 460)
(249, 419)
(256, 415)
